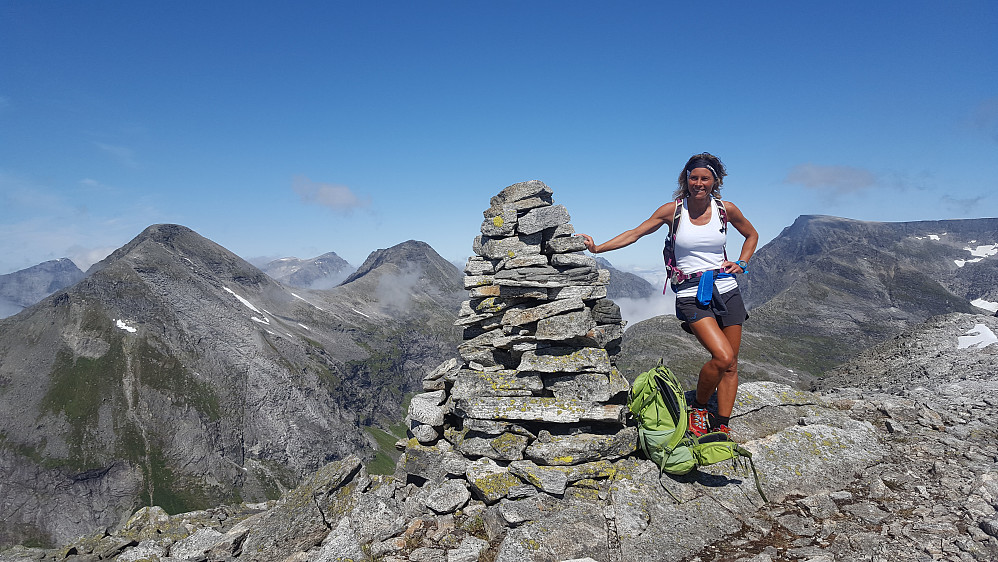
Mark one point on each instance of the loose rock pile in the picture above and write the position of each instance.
(535, 399)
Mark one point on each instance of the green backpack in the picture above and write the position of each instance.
(658, 402)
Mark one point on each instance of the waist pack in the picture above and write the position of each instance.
(658, 402)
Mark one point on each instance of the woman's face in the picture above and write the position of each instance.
(700, 183)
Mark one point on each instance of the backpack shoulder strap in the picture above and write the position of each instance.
(722, 213)
(675, 219)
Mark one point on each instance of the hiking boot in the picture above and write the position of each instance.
(723, 429)
(699, 422)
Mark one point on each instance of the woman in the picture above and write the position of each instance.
(716, 317)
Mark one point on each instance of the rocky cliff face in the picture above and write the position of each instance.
(176, 374)
(24, 288)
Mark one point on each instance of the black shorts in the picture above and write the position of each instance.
(689, 309)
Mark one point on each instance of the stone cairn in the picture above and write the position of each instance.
(535, 402)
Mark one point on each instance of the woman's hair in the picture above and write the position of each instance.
(702, 160)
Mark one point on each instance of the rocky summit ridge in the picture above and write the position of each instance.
(898, 471)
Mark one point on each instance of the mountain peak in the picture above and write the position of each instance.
(321, 272)
(162, 244)
(162, 234)
(407, 256)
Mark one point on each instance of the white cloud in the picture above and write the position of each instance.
(331, 280)
(85, 224)
(985, 118)
(836, 179)
(86, 257)
(18, 194)
(124, 155)
(965, 206)
(94, 186)
(636, 310)
(395, 290)
(335, 196)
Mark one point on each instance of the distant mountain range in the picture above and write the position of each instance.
(177, 374)
(624, 285)
(322, 272)
(827, 288)
(24, 288)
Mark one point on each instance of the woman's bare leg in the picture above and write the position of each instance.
(722, 358)
(727, 388)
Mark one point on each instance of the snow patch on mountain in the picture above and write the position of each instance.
(306, 300)
(980, 336)
(245, 302)
(979, 252)
(984, 251)
(250, 306)
(986, 305)
(122, 325)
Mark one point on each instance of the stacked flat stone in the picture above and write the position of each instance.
(535, 400)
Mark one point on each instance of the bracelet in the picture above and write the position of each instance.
(742, 264)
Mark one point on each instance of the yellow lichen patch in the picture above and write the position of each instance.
(495, 485)
(497, 221)
(489, 305)
(793, 396)
(508, 444)
(583, 493)
(533, 480)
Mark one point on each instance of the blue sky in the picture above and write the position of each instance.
(298, 128)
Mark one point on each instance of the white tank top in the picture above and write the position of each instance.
(700, 248)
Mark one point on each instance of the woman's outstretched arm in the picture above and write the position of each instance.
(663, 215)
